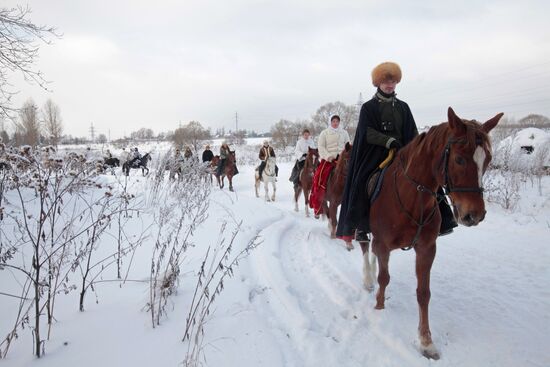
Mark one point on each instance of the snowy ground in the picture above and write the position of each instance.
(298, 299)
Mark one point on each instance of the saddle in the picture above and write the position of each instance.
(376, 178)
(374, 183)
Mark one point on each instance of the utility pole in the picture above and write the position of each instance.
(360, 101)
(92, 131)
(236, 122)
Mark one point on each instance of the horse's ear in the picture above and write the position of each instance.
(455, 122)
(490, 124)
(348, 146)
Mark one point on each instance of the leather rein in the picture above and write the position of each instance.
(448, 187)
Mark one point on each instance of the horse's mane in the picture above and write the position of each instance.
(340, 162)
(438, 136)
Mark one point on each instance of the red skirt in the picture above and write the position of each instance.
(319, 187)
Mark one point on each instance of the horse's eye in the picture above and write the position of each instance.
(459, 160)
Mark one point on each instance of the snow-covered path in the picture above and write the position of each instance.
(298, 300)
(489, 304)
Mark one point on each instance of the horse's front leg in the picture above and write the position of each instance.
(306, 200)
(297, 191)
(266, 188)
(424, 260)
(274, 190)
(383, 255)
(369, 266)
(230, 179)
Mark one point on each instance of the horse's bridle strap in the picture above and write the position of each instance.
(448, 187)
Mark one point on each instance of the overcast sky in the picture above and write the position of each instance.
(123, 65)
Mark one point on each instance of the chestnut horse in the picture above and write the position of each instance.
(335, 190)
(306, 178)
(452, 155)
(228, 171)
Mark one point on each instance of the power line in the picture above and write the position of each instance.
(496, 76)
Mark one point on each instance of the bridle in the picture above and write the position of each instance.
(448, 187)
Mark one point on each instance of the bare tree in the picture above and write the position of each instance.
(52, 122)
(28, 125)
(143, 133)
(284, 133)
(349, 116)
(534, 120)
(19, 45)
(102, 139)
(192, 134)
(237, 137)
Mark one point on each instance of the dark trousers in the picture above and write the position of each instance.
(135, 162)
(295, 175)
(221, 166)
(448, 221)
(262, 167)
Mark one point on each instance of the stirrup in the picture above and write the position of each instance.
(362, 236)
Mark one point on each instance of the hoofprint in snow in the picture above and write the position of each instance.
(299, 300)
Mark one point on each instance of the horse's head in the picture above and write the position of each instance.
(312, 158)
(343, 157)
(465, 159)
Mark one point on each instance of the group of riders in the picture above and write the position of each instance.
(385, 123)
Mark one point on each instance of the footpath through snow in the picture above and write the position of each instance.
(306, 305)
(298, 300)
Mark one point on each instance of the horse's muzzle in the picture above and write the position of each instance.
(472, 218)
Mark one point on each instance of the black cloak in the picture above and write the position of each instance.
(365, 158)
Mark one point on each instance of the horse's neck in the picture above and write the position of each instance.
(425, 171)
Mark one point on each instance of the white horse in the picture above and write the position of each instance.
(268, 175)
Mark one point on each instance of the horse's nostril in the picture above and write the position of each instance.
(467, 219)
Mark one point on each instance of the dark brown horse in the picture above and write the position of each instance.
(335, 190)
(228, 169)
(306, 178)
(452, 155)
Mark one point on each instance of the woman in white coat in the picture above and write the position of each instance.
(331, 142)
(300, 152)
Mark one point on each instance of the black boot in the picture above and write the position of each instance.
(294, 173)
(361, 236)
(448, 221)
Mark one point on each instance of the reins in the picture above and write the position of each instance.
(448, 187)
(423, 221)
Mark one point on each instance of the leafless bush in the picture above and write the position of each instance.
(502, 187)
(218, 264)
(184, 207)
(540, 162)
(55, 214)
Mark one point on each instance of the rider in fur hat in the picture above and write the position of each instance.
(385, 122)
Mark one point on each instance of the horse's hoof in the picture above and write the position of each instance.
(430, 352)
(368, 287)
(296, 210)
(379, 306)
